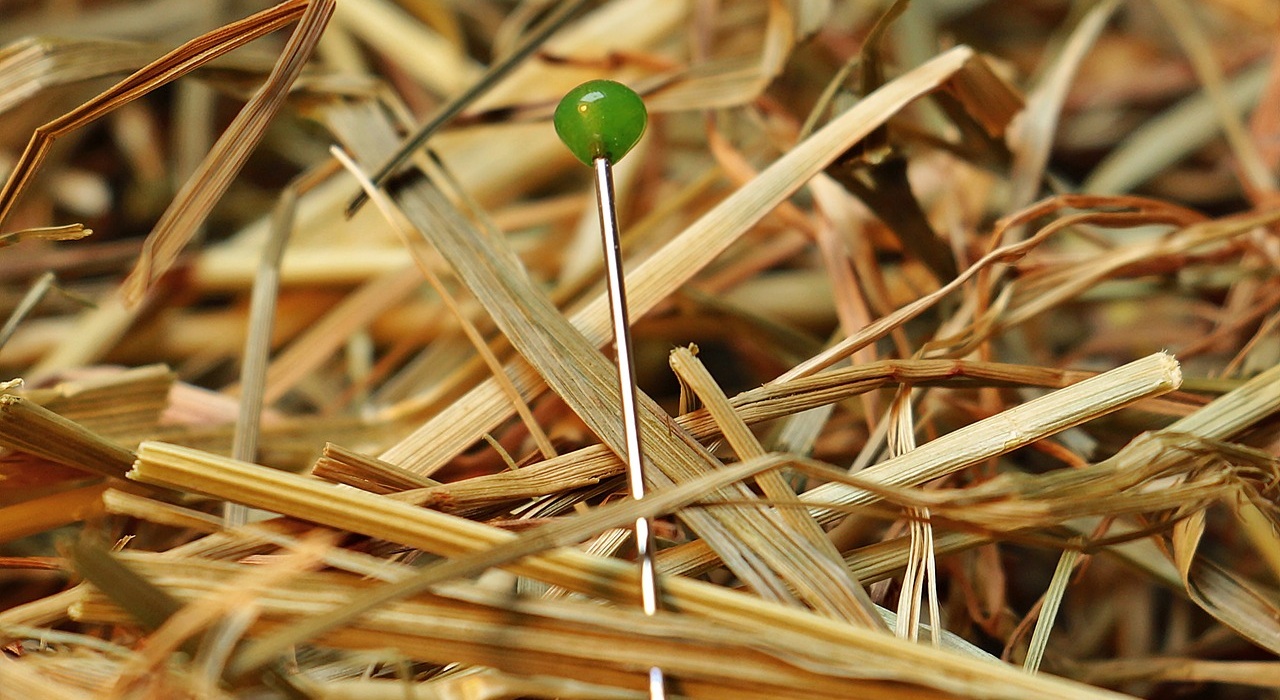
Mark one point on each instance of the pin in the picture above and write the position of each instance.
(599, 121)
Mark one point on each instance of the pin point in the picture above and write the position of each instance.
(600, 121)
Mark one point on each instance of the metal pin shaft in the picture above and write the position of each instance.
(649, 594)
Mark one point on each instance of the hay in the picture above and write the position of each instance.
(924, 416)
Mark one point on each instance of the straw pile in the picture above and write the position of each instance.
(957, 325)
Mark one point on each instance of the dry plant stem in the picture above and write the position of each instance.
(1040, 293)
(1012, 428)
(29, 301)
(454, 107)
(1259, 674)
(991, 437)
(829, 563)
(921, 556)
(33, 64)
(1219, 593)
(220, 607)
(105, 325)
(28, 682)
(750, 545)
(1257, 176)
(489, 683)
(31, 428)
(119, 502)
(876, 562)
(115, 405)
(165, 69)
(262, 305)
(564, 639)
(43, 612)
(1049, 609)
(1020, 503)
(753, 546)
(384, 518)
(420, 256)
(233, 545)
(1232, 601)
(54, 510)
(214, 175)
(253, 365)
(654, 279)
(1237, 603)
(313, 348)
(340, 465)
(1038, 123)
(770, 402)
(563, 533)
(70, 232)
(992, 260)
(968, 445)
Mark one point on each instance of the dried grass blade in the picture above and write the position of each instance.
(33, 64)
(28, 682)
(1014, 427)
(257, 344)
(314, 347)
(566, 532)
(1259, 674)
(117, 405)
(165, 69)
(1252, 612)
(770, 402)
(145, 602)
(451, 109)
(48, 512)
(207, 185)
(1228, 598)
(338, 464)
(654, 279)
(1038, 123)
(1171, 136)
(560, 638)
(32, 428)
(124, 503)
(376, 516)
(751, 546)
(834, 588)
(487, 682)
(1049, 609)
(42, 612)
(921, 568)
(29, 301)
(398, 222)
(70, 232)
(993, 260)
(1258, 178)
(262, 306)
(878, 561)
(224, 606)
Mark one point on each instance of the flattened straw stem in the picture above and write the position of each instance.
(615, 283)
(29, 301)
(257, 346)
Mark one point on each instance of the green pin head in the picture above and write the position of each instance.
(600, 119)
